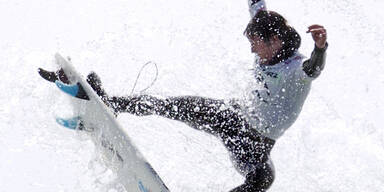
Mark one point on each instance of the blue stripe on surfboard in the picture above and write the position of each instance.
(69, 89)
(70, 123)
(142, 188)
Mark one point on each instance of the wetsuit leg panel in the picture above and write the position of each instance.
(257, 181)
(198, 112)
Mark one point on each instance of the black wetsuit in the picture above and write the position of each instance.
(247, 147)
(224, 120)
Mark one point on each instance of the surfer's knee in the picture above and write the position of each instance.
(261, 178)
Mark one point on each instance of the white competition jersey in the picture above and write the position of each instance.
(274, 100)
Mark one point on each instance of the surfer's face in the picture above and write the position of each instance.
(266, 50)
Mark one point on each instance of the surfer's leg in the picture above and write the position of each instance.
(248, 148)
(199, 112)
(257, 181)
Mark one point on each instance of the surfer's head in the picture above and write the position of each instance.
(271, 37)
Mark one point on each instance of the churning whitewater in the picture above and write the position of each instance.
(199, 48)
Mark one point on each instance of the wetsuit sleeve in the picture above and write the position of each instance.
(255, 6)
(313, 66)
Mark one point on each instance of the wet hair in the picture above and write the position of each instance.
(266, 24)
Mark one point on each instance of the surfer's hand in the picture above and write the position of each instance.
(319, 35)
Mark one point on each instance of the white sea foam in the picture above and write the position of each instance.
(335, 145)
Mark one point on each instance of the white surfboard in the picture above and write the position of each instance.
(121, 155)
